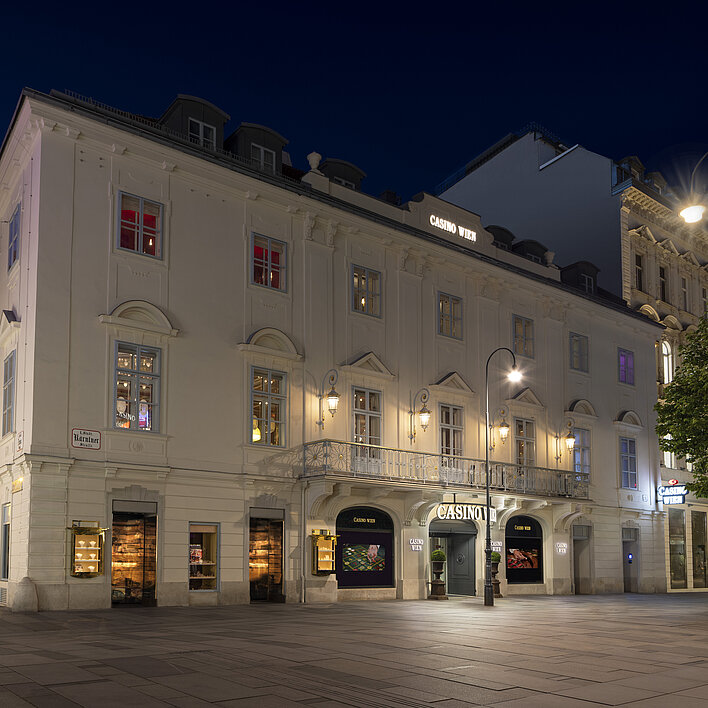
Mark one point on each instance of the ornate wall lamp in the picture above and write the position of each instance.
(423, 413)
(331, 378)
(565, 439)
(503, 428)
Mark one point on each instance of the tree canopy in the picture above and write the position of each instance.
(682, 422)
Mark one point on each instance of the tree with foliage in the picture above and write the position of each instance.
(682, 422)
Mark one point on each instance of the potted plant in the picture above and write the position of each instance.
(437, 589)
(495, 557)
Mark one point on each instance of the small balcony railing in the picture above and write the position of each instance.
(334, 457)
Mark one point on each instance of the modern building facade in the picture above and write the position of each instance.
(180, 310)
(578, 202)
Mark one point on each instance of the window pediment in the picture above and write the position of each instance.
(272, 342)
(452, 382)
(629, 419)
(9, 327)
(369, 364)
(140, 316)
(581, 407)
(526, 396)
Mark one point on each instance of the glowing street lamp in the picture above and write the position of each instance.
(694, 212)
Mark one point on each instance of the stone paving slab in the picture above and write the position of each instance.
(635, 651)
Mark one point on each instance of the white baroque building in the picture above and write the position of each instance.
(177, 307)
(578, 202)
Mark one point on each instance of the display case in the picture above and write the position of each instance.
(86, 549)
(323, 543)
(203, 555)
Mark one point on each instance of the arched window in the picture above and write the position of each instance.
(667, 362)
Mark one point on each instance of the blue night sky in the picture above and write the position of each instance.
(408, 93)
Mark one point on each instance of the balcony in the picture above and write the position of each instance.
(345, 459)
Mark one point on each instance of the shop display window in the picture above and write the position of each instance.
(323, 543)
(524, 550)
(677, 548)
(265, 560)
(134, 558)
(203, 556)
(86, 549)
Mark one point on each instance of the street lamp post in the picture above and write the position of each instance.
(514, 375)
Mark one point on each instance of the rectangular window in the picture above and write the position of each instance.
(13, 249)
(366, 291)
(8, 394)
(638, 272)
(525, 439)
(5, 542)
(578, 352)
(581, 451)
(588, 283)
(663, 284)
(450, 316)
(269, 263)
(367, 421)
(268, 406)
(698, 542)
(625, 360)
(677, 548)
(684, 294)
(140, 228)
(262, 158)
(451, 427)
(203, 556)
(523, 336)
(202, 133)
(628, 462)
(137, 387)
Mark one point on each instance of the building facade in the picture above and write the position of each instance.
(180, 310)
(578, 202)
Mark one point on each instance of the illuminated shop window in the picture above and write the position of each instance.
(203, 556)
(268, 264)
(140, 228)
(366, 291)
(137, 387)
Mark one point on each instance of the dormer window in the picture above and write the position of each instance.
(587, 283)
(262, 158)
(344, 182)
(202, 133)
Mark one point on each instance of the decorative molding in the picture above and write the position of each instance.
(452, 382)
(527, 397)
(369, 364)
(309, 225)
(140, 316)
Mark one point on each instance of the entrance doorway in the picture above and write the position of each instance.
(458, 539)
(582, 581)
(134, 555)
(630, 559)
(265, 560)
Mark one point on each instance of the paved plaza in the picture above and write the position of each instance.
(541, 652)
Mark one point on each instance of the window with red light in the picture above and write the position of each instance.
(268, 263)
(140, 228)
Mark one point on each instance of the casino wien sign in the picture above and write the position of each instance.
(464, 512)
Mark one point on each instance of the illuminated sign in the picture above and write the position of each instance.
(464, 512)
(452, 228)
(363, 520)
(416, 544)
(561, 548)
(17, 484)
(672, 494)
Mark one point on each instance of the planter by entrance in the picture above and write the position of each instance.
(437, 586)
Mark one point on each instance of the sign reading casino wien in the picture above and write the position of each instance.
(464, 512)
(452, 228)
(673, 493)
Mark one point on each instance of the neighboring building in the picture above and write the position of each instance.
(174, 316)
(582, 204)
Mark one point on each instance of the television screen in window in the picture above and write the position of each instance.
(522, 558)
(363, 557)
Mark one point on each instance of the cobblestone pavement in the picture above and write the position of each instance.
(542, 652)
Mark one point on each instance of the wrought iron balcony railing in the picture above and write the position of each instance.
(334, 457)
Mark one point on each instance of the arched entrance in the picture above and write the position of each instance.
(524, 550)
(364, 555)
(458, 540)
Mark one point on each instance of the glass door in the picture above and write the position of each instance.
(265, 560)
(133, 559)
